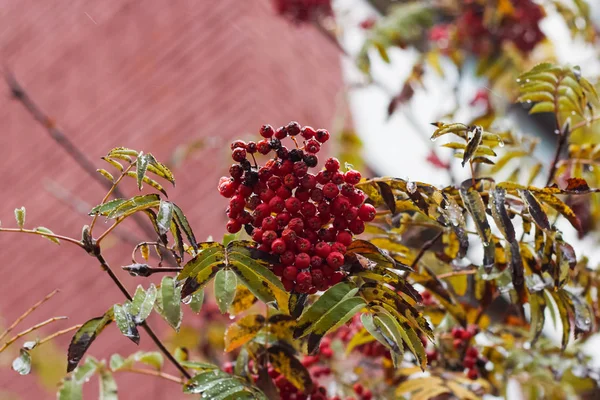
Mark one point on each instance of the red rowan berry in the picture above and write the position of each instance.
(233, 226)
(281, 133)
(334, 259)
(278, 246)
(313, 223)
(307, 132)
(257, 235)
(238, 144)
(274, 182)
(251, 147)
(344, 237)
(236, 171)
(283, 219)
(358, 388)
(269, 237)
(472, 374)
(316, 195)
(312, 146)
(293, 205)
(308, 209)
(332, 164)
(293, 128)
(288, 285)
(308, 181)
(290, 273)
(322, 135)
(311, 160)
(288, 257)
(339, 247)
(367, 212)
(237, 203)
(227, 188)
(340, 224)
(330, 190)
(357, 226)
(469, 362)
(322, 249)
(357, 198)
(238, 154)
(263, 147)
(323, 177)
(472, 352)
(337, 178)
(267, 131)
(302, 194)
(351, 213)
(297, 225)
(277, 204)
(340, 205)
(283, 192)
(278, 270)
(316, 262)
(352, 177)
(302, 260)
(336, 277)
(303, 245)
(300, 168)
(266, 194)
(244, 190)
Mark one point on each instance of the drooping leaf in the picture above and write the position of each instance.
(225, 286)
(22, 364)
(108, 386)
(171, 302)
(149, 181)
(106, 174)
(534, 208)
(562, 208)
(125, 323)
(84, 337)
(160, 169)
(286, 363)
(537, 305)
(197, 301)
(472, 145)
(141, 165)
(220, 385)
(476, 207)
(199, 270)
(142, 303)
(164, 216)
(183, 223)
(243, 330)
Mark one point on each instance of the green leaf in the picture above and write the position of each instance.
(160, 169)
(164, 216)
(404, 331)
(225, 285)
(476, 207)
(257, 277)
(20, 216)
(199, 366)
(375, 331)
(141, 165)
(84, 337)
(123, 151)
(333, 296)
(185, 226)
(106, 208)
(106, 174)
(70, 389)
(108, 386)
(334, 318)
(150, 182)
(125, 322)
(201, 269)
(243, 330)
(284, 362)
(22, 364)
(218, 385)
(197, 301)
(41, 229)
(151, 358)
(135, 204)
(170, 302)
(142, 303)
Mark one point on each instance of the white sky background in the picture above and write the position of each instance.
(396, 148)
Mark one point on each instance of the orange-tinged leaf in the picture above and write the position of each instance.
(243, 330)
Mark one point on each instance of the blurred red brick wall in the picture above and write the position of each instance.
(148, 75)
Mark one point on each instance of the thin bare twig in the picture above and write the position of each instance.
(152, 372)
(426, 246)
(457, 273)
(58, 333)
(63, 140)
(40, 233)
(29, 330)
(26, 313)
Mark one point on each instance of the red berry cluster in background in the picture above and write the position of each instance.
(520, 26)
(303, 10)
(307, 220)
(372, 349)
(470, 360)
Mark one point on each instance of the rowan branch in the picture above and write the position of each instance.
(152, 372)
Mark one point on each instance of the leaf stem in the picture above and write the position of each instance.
(426, 246)
(457, 273)
(144, 324)
(26, 313)
(52, 235)
(29, 330)
(112, 189)
(151, 372)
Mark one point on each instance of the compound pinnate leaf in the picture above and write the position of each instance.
(135, 204)
(106, 208)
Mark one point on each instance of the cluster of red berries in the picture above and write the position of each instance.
(462, 341)
(521, 27)
(306, 220)
(303, 10)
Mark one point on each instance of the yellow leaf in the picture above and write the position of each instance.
(243, 331)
